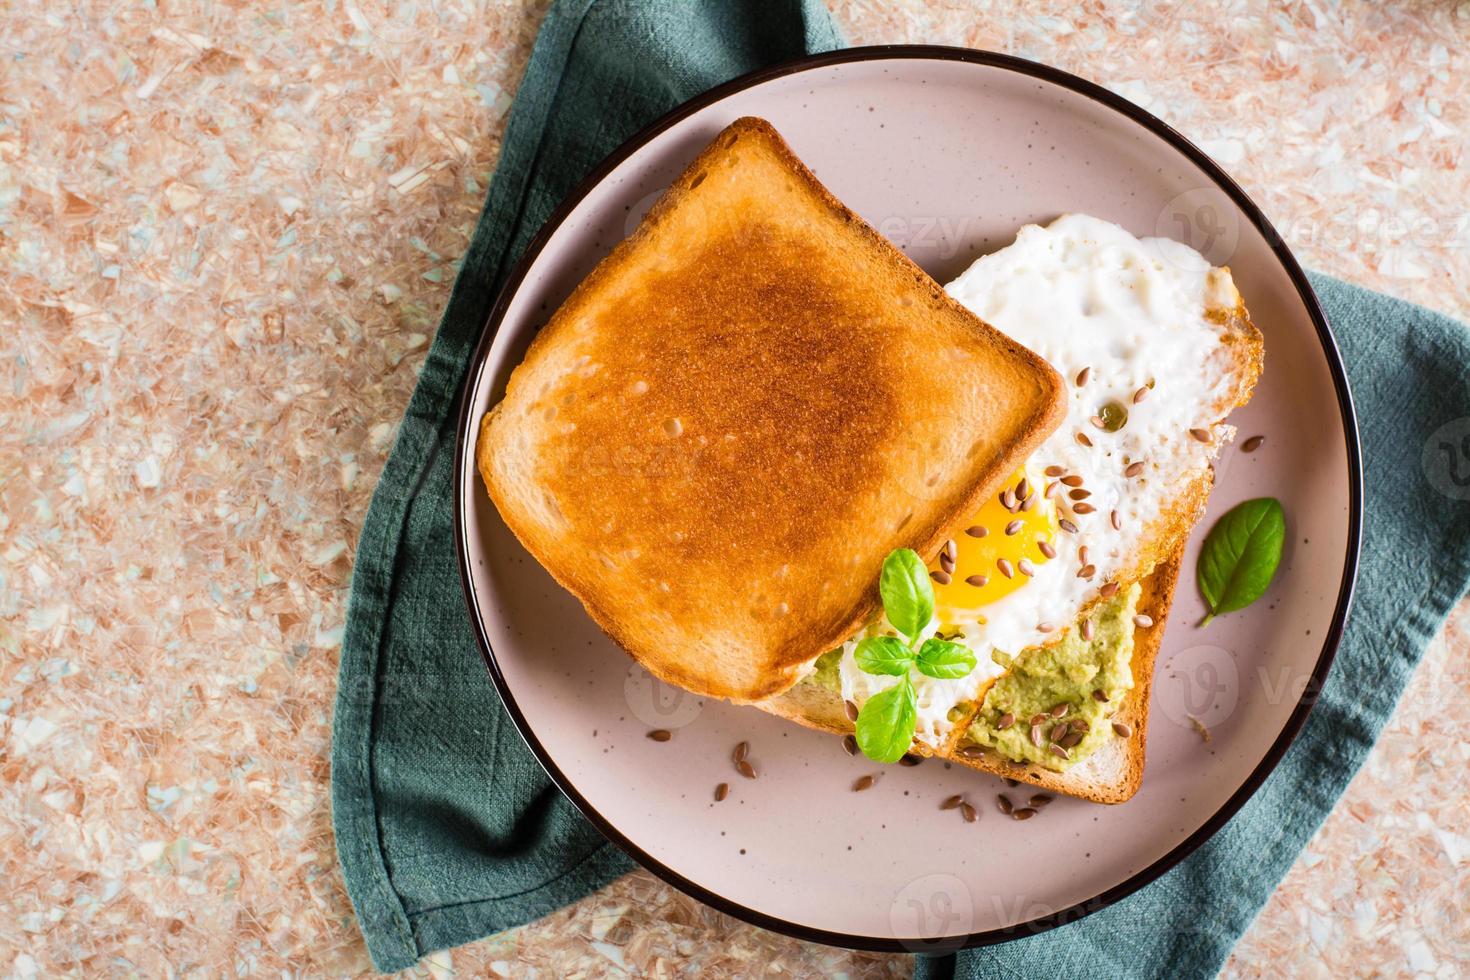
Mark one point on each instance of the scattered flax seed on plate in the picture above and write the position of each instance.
(660, 734)
(722, 791)
(863, 782)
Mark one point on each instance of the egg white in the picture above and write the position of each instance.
(1086, 294)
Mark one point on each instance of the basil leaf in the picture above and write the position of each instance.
(883, 655)
(1240, 555)
(944, 659)
(885, 725)
(908, 598)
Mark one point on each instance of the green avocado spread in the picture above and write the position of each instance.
(1067, 672)
(1041, 678)
(826, 673)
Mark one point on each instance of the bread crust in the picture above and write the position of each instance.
(740, 412)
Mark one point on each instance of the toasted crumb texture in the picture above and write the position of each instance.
(741, 411)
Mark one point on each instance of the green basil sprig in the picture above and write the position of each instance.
(885, 725)
(1240, 555)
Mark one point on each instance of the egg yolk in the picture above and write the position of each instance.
(985, 551)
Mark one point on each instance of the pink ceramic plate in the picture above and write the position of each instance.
(948, 152)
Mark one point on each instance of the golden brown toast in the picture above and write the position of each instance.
(741, 411)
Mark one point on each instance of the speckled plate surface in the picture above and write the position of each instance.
(947, 152)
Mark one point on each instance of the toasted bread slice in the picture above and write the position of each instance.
(1111, 774)
(741, 411)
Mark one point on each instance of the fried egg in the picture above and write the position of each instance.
(1134, 327)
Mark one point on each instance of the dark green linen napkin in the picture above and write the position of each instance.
(448, 829)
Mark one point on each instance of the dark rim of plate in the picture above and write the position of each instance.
(1293, 725)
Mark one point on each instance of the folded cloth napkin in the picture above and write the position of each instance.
(448, 829)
